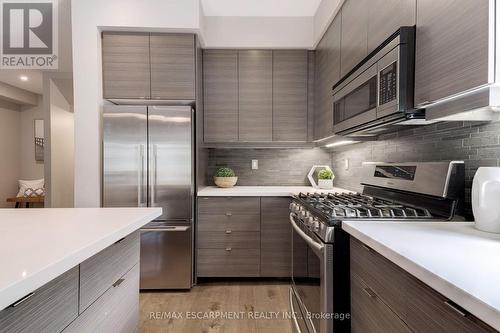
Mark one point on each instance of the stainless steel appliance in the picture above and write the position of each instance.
(377, 95)
(148, 162)
(320, 292)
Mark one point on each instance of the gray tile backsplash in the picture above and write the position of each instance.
(476, 143)
(276, 166)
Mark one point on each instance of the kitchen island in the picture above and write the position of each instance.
(70, 269)
(448, 268)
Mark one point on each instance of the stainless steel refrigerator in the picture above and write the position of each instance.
(148, 162)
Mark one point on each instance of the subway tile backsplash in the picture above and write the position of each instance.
(475, 143)
(276, 166)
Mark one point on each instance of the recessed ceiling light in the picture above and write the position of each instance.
(23, 78)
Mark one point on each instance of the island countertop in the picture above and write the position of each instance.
(453, 258)
(38, 245)
(262, 191)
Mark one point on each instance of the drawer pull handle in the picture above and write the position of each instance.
(229, 214)
(228, 231)
(120, 240)
(22, 300)
(456, 308)
(118, 282)
(370, 292)
(366, 248)
(228, 249)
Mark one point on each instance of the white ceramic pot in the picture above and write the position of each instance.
(325, 184)
(486, 199)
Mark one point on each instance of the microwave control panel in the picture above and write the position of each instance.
(388, 84)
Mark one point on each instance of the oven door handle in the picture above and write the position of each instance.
(316, 247)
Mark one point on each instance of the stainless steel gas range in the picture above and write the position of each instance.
(320, 293)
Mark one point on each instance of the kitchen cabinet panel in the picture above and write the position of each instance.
(255, 80)
(126, 65)
(229, 206)
(354, 42)
(50, 308)
(290, 95)
(327, 74)
(451, 48)
(172, 66)
(386, 17)
(228, 262)
(369, 313)
(99, 272)
(276, 259)
(220, 81)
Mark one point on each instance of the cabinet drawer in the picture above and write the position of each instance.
(229, 205)
(50, 308)
(429, 311)
(229, 239)
(385, 278)
(234, 263)
(369, 313)
(232, 222)
(117, 310)
(99, 272)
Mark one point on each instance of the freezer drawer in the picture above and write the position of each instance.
(166, 257)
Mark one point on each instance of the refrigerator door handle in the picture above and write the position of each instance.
(140, 176)
(153, 174)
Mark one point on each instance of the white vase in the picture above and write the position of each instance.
(325, 184)
(486, 199)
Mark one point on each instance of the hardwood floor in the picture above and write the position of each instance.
(259, 307)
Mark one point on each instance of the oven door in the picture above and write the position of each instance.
(312, 277)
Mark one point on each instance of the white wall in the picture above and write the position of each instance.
(10, 121)
(29, 167)
(258, 32)
(88, 17)
(325, 14)
(61, 150)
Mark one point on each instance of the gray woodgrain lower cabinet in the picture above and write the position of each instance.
(115, 311)
(253, 240)
(99, 272)
(385, 298)
(50, 308)
(99, 295)
(276, 236)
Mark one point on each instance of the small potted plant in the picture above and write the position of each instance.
(325, 179)
(225, 177)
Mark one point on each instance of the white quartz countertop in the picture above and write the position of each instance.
(454, 258)
(38, 245)
(261, 191)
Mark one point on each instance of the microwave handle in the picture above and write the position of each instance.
(317, 247)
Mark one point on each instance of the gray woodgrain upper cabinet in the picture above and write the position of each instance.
(126, 67)
(172, 66)
(255, 81)
(451, 48)
(387, 16)
(290, 95)
(354, 43)
(220, 81)
(327, 74)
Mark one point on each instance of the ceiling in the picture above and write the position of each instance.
(260, 7)
(34, 83)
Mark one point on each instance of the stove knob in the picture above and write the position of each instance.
(309, 221)
(303, 214)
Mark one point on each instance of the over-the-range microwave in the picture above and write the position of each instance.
(377, 95)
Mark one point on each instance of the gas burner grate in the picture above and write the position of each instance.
(355, 205)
